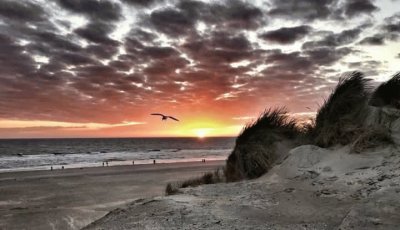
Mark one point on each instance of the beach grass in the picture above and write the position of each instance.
(256, 150)
(341, 120)
(341, 117)
(387, 93)
(371, 138)
(214, 177)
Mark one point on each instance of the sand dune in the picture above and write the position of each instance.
(314, 188)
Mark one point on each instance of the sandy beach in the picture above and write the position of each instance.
(73, 198)
(314, 188)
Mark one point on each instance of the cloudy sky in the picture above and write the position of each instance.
(89, 68)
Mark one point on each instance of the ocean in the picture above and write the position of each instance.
(42, 154)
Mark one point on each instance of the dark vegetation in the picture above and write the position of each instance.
(206, 178)
(341, 120)
(255, 149)
(371, 138)
(387, 94)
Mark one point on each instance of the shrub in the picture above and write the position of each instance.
(255, 149)
(341, 117)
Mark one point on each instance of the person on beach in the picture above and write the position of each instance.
(103, 163)
(154, 161)
(51, 168)
(133, 162)
(62, 167)
(107, 163)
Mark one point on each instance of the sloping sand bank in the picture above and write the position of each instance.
(313, 188)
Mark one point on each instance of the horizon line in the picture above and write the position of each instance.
(143, 137)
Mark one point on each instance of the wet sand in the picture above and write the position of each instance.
(73, 198)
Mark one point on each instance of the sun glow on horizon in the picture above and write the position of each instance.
(202, 127)
(201, 133)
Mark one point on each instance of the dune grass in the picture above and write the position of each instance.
(387, 94)
(340, 119)
(371, 138)
(207, 178)
(255, 149)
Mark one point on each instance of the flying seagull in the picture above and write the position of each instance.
(164, 117)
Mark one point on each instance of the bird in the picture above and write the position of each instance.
(164, 117)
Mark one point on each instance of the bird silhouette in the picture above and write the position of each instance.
(164, 117)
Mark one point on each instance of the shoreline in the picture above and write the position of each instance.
(112, 163)
(74, 198)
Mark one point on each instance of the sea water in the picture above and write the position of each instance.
(42, 154)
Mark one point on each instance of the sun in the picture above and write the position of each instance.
(201, 133)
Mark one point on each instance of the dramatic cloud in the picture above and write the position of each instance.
(286, 35)
(357, 7)
(112, 62)
(98, 10)
(304, 10)
(389, 30)
(97, 32)
(375, 40)
(171, 21)
(336, 39)
(21, 11)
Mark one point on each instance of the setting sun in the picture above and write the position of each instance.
(201, 133)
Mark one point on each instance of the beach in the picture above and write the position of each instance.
(73, 198)
(313, 188)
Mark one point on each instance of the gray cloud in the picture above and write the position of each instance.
(97, 10)
(388, 31)
(303, 10)
(143, 3)
(376, 40)
(337, 39)
(172, 21)
(356, 7)
(286, 35)
(21, 11)
(97, 32)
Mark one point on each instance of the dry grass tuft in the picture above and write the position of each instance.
(387, 94)
(371, 138)
(207, 178)
(340, 119)
(255, 149)
(172, 188)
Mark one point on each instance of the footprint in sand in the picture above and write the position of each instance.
(326, 193)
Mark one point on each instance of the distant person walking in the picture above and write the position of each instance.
(107, 163)
(133, 162)
(154, 161)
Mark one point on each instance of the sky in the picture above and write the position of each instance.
(71, 68)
